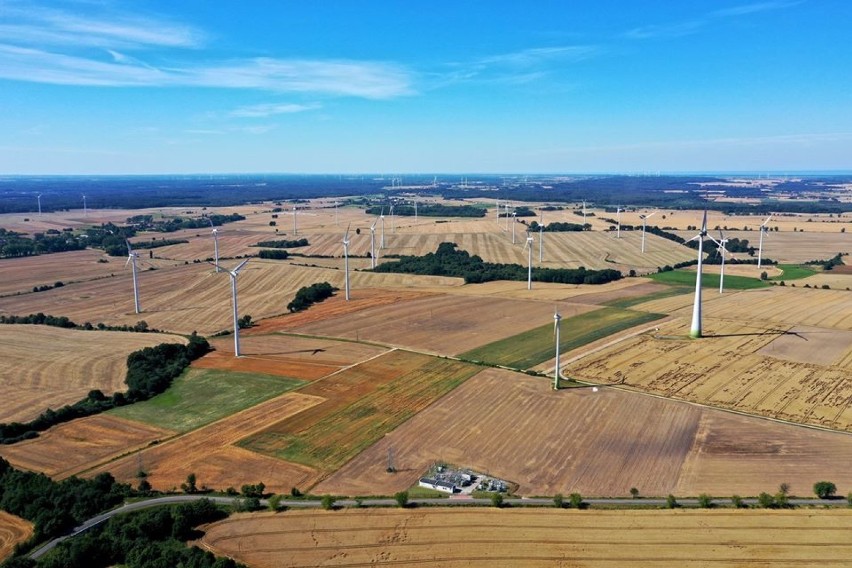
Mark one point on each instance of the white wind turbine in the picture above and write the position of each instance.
(38, 197)
(335, 213)
(415, 211)
(618, 222)
(373, 243)
(382, 219)
(215, 232)
(295, 229)
(722, 250)
(497, 217)
(541, 237)
(695, 328)
(393, 222)
(85, 209)
(233, 274)
(506, 214)
(528, 247)
(131, 259)
(346, 261)
(644, 223)
(763, 229)
(584, 215)
(556, 318)
(514, 222)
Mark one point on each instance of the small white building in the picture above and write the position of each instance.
(436, 484)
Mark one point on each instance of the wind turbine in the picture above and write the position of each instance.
(540, 237)
(233, 274)
(556, 318)
(131, 258)
(763, 229)
(415, 211)
(215, 233)
(39, 204)
(295, 229)
(382, 219)
(514, 222)
(497, 217)
(644, 222)
(618, 222)
(85, 209)
(584, 214)
(373, 243)
(393, 223)
(529, 247)
(695, 328)
(506, 214)
(346, 260)
(722, 242)
(335, 213)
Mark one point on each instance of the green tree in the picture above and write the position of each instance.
(401, 499)
(497, 499)
(577, 501)
(189, 486)
(327, 502)
(671, 502)
(849, 498)
(766, 500)
(825, 489)
(558, 501)
(705, 501)
(275, 502)
(634, 492)
(738, 502)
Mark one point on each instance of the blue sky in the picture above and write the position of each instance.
(341, 86)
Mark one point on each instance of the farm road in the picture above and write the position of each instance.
(440, 501)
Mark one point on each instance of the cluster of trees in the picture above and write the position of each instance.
(14, 244)
(836, 260)
(448, 261)
(283, 244)
(561, 227)
(152, 244)
(520, 211)
(429, 210)
(307, 296)
(150, 371)
(46, 287)
(273, 254)
(149, 223)
(62, 321)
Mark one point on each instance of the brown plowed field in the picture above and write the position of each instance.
(75, 446)
(193, 298)
(47, 366)
(13, 530)
(444, 324)
(727, 368)
(597, 443)
(286, 355)
(209, 453)
(506, 538)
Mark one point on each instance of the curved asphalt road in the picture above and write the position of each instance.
(442, 501)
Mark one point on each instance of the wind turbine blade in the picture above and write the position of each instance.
(129, 258)
(650, 214)
(129, 248)
(240, 266)
(211, 223)
(704, 222)
(767, 220)
(346, 234)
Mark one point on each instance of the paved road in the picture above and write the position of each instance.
(451, 502)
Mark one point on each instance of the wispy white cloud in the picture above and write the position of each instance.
(677, 29)
(754, 8)
(271, 109)
(541, 55)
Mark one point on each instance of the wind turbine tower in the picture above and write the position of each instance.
(233, 274)
(382, 219)
(373, 244)
(584, 215)
(295, 229)
(131, 259)
(556, 318)
(514, 222)
(215, 232)
(644, 223)
(529, 247)
(618, 222)
(722, 250)
(541, 237)
(763, 229)
(695, 328)
(346, 261)
(38, 197)
(85, 209)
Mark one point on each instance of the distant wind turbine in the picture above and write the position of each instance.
(346, 261)
(514, 222)
(233, 274)
(541, 237)
(38, 197)
(722, 250)
(528, 247)
(131, 259)
(618, 222)
(695, 328)
(763, 229)
(556, 318)
(85, 209)
(373, 243)
(215, 233)
(584, 215)
(382, 219)
(295, 229)
(644, 222)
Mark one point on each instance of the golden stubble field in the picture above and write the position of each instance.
(794, 373)
(13, 530)
(50, 367)
(534, 537)
(596, 443)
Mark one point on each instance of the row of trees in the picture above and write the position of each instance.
(307, 296)
(284, 243)
(836, 260)
(150, 223)
(62, 321)
(448, 261)
(429, 210)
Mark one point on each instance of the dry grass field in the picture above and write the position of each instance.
(534, 538)
(444, 324)
(13, 530)
(49, 367)
(789, 247)
(597, 443)
(291, 356)
(681, 219)
(835, 279)
(209, 452)
(736, 366)
(21, 274)
(188, 298)
(75, 446)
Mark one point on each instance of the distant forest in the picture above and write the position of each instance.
(18, 193)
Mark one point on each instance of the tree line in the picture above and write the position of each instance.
(429, 210)
(448, 261)
(284, 243)
(307, 296)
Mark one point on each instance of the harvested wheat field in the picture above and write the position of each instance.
(291, 356)
(13, 530)
(596, 443)
(838, 279)
(789, 247)
(78, 361)
(734, 366)
(534, 537)
(72, 447)
(20, 275)
(194, 298)
(361, 404)
(442, 324)
(210, 454)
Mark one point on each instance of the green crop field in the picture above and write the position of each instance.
(368, 401)
(535, 346)
(794, 272)
(687, 277)
(202, 396)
